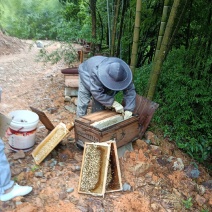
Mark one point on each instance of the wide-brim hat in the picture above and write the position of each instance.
(114, 74)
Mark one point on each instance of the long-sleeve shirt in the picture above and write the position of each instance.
(88, 75)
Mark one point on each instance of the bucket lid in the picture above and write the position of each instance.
(23, 116)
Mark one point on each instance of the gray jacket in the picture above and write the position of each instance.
(88, 76)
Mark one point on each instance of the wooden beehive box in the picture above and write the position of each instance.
(109, 175)
(123, 132)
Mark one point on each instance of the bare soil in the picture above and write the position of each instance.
(156, 182)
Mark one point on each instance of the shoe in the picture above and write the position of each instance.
(15, 192)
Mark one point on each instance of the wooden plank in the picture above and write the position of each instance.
(145, 110)
(43, 118)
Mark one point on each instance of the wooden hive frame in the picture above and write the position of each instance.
(50, 142)
(109, 155)
(116, 183)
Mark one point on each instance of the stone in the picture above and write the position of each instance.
(38, 174)
(152, 137)
(140, 168)
(18, 155)
(71, 108)
(201, 189)
(192, 172)
(70, 190)
(178, 165)
(67, 99)
(126, 187)
(39, 44)
(62, 195)
(75, 168)
(141, 144)
(200, 200)
(208, 184)
(155, 150)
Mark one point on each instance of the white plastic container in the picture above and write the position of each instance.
(22, 130)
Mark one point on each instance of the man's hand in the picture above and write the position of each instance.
(127, 114)
(118, 107)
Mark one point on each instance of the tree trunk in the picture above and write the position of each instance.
(124, 7)
(166, 9)
(108, 22)
(115, 20)
(163, 50)
(93, 17)
(136, 36)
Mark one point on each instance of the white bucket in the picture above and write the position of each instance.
(21, 132)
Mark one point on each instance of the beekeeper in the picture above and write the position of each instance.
(102, 78)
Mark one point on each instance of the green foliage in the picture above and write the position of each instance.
(140, 79)
(188, 203)
(184, 95)
(34, 168)
(32, 19)
(65, 52)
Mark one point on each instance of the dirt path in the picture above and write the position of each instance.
(153, 176)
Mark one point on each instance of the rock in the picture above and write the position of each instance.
(61, 164)
(15, 171)
(67, 99)
(140, 168)
(152, 137)
(162, 161)
(192, 172)
(126, 187)
(75, 168)
(74, 100)
(178, 165)
(38, 174)
(201, 189)
(155, 150)
(70, 190)
(18, 155)
(200, 200)
(39, 44)
(18, 203)
(208, 184)
(62, 195)
(71, 108)
(141, 144)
